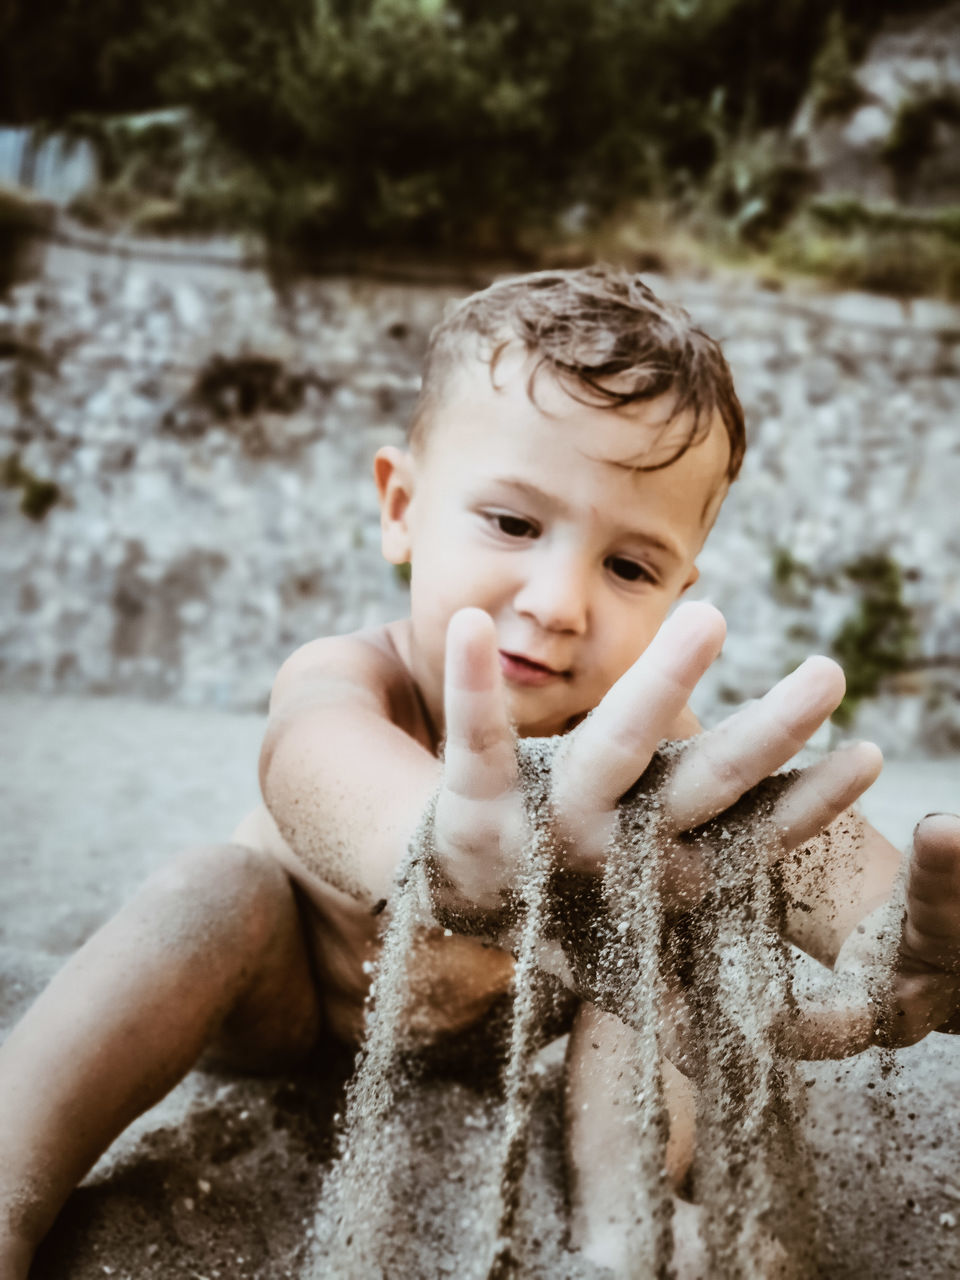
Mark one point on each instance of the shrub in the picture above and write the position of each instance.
(878, 639)
(36, 496)
(879, 248)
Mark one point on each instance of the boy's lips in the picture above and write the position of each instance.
(519, 669)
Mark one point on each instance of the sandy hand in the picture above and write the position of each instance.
(897, 976)
(480, 827)
(604, 757)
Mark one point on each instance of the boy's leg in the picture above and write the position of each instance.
(598, 1135)
(211, 943)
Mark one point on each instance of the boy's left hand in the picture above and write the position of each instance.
(920, 991)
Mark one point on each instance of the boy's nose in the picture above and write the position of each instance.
(555, 595)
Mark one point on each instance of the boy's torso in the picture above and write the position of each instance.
(454, 980)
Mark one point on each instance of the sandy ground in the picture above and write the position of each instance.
(223, 1178)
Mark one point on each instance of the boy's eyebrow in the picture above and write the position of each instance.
(557, 504)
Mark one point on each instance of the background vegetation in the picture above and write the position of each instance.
(505, 127)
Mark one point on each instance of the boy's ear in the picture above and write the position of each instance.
(393, 472)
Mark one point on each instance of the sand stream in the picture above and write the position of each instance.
(753, 1174)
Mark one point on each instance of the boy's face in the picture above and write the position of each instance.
(534, 513)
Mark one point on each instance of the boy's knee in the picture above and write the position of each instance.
(230, 883)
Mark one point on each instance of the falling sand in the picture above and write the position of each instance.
(629, 955)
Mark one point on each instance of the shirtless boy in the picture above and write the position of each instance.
(571, 447)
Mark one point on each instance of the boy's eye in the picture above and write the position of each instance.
(513, 526)
(628, 570)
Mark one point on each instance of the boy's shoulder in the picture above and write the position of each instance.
(368, 668)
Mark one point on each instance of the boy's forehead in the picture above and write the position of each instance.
(641, 435)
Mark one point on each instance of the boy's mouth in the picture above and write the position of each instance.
(519, 669)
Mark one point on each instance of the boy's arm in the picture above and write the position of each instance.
(345, 785)
(348, 787)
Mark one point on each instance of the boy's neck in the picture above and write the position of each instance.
(399, 634)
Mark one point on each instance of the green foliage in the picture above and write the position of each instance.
(755, 185)
(881, 248)
(36, 496)
(878, 639)
(461, 126)
(791, 578)
(161, 173)
(846, 214)
(785, 565)
(425, 125)
(450, 126)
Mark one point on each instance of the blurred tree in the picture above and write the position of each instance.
(472, 122)
(62, 56)
(461, 123)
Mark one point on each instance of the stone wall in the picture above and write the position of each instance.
(210, 447)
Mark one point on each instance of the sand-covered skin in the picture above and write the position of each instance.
(97, 792)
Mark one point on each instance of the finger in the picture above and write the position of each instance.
(815, 1030)
(808, 803)
(719, 766)
(925, 989)
(846, 1022)
(613, 746)
(931, 932)
(479, 755)
(479, 821)
(833, 1014)
(821, 792)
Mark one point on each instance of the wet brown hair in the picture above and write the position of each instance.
(606, 337)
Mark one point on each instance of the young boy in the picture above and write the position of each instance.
(572, 445)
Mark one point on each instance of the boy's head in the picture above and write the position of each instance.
(607, 338)
(572, 444)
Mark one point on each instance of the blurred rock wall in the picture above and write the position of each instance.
(187, 492)
(908, 84)
(852, 476)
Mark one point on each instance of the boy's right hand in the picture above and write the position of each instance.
(480, 825)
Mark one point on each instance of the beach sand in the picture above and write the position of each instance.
(223, 1178)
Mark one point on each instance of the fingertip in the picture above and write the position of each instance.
(870, 757)
(469, 626)
(705, 614)
(471, 661)
(470, 618)
(826, 674)
(703, 622)
(826, 668)
(939, 833)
